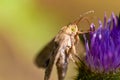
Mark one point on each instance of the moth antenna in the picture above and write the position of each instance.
(83, 32)
(82, 17)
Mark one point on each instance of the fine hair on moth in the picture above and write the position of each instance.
(61, 49)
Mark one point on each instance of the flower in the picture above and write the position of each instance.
(102, 60)
(103, 51)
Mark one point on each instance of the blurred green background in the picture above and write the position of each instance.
(27, 25)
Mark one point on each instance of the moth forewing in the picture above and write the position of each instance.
(46, 58)
(50, 64)
(43, 57)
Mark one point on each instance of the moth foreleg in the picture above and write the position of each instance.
(71, 58)
(73, 54)
(77, 39)
(73, 49)
(83, 32)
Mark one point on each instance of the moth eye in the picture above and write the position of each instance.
(73, 29)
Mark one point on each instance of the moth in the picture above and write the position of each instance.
(60, 50)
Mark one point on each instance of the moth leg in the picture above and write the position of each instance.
(83, 32)
(73, 53)
(71, 58)
(68, 52)
(77, 39)
(62, 65)
(73, 49)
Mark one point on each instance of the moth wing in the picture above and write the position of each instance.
(50, 64)
(43, 57)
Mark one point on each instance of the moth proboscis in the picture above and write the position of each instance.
(61, 49)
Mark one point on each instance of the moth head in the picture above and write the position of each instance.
(70, 29)
(73, 28)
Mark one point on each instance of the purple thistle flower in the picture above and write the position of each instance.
(103, 51)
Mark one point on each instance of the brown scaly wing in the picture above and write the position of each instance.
(43, 57)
